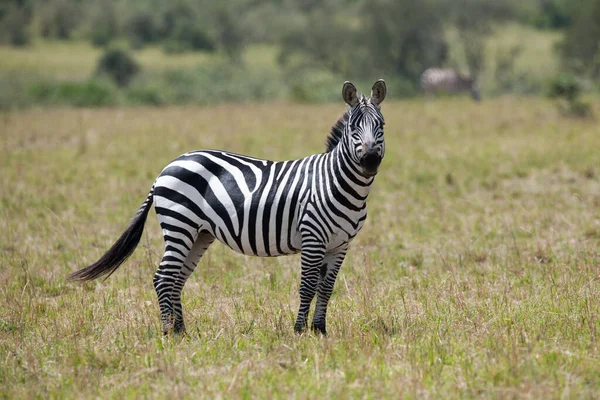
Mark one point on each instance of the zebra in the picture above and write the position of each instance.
(314, 206)
(448, 80)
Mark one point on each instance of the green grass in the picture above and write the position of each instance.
(77, 60)
(476, 274)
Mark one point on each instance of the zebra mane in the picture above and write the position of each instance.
(336, 132)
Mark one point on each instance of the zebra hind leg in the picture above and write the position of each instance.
(180, 250)
(200, 246)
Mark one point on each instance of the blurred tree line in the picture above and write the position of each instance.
(357, 39)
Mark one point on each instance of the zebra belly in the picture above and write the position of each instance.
(271, 250)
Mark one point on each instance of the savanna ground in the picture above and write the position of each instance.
(476, 274)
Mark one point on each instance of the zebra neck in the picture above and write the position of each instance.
(346, 174)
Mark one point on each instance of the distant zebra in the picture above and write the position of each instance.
(315, 205)
(435, 80)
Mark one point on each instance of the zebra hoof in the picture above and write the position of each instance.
(173, 329)
(319, 329)
(179, 329)
(300, 328)
(174, 332)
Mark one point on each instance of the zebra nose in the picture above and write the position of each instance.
(370, 160)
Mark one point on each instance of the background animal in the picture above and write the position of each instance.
(435, 80)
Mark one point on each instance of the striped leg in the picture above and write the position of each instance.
(313, 252)
(179, 241)
(329, 270)
(202, 243)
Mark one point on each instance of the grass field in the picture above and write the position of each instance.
(77, 60)
(476, 274)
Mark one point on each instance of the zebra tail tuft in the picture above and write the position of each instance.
(120, 250)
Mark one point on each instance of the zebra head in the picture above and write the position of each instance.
(363, 135)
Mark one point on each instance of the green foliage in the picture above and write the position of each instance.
(92, 93)
(320, 41)
(14, 20)
(554, 14)
(312, 85)
(141, 29)
(231, 35)
(191, 37)
(365, 40)
(580, 49)
(145, 95)
(214, 83)
(564, 86)
(104, 23)
(405, 37)
(567, 89)
(475, 26)
(477, 15)
(355, 40)
(118, 65)
(505, 74)
(183, 30)
(474, 46)
(59, 18)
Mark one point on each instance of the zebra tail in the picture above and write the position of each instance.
(120, 250)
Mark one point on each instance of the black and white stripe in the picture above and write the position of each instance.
(315, 205)
(435, 80)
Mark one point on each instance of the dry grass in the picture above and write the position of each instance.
(476, 274)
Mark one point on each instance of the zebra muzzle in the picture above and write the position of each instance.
(370, 162)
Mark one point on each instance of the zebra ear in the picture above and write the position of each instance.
(378, 92)
(349, 94)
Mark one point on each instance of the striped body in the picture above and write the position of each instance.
(259, 209)
(315, 205)
(435, 80)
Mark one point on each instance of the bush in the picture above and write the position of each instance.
(145, 96)
(567, 89)
(553, 14)
(80, 94)
(192, 37)
(564, 86)
(14, 28)
(142, 29)
(217, 83)
(117, 65)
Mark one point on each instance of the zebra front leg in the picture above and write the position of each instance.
(191, 261)
(328, 273)
(313, 252)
